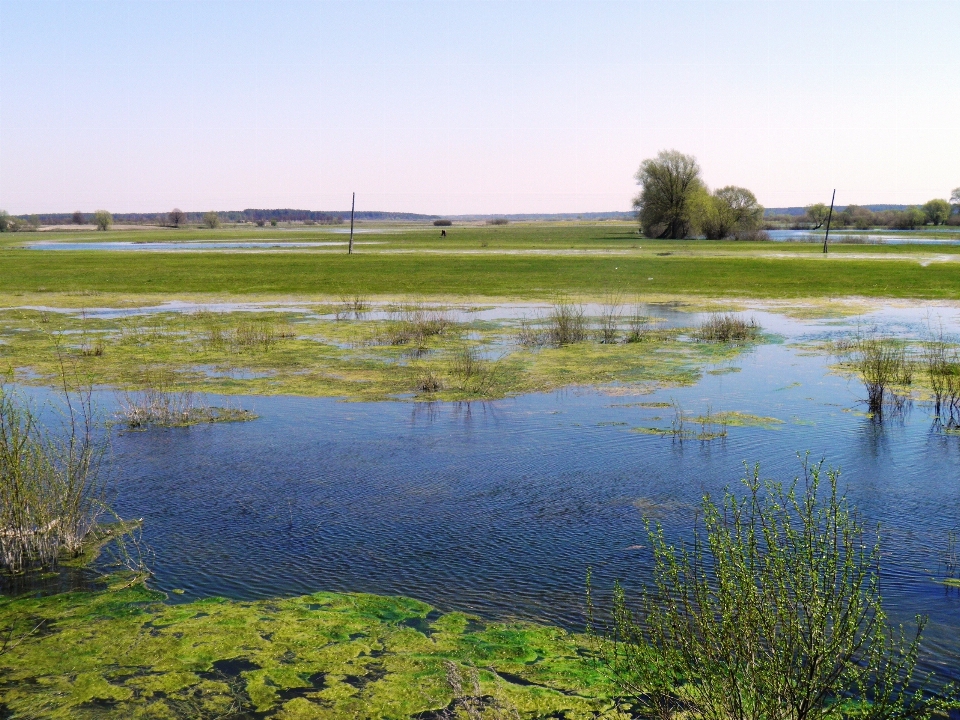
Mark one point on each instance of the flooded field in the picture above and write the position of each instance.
(499, 507)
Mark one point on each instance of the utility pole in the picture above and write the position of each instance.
(826, 235)
(353, 204)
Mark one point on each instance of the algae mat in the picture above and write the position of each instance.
(128, 654)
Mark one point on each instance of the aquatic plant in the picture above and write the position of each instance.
(51, 488)
(159, 402)
(727, 328)
(429, 382)
(638, 325)
(943, 371)
(609, 321)
(567, 323)
(881, 362)
(771, 612)
(471, 372)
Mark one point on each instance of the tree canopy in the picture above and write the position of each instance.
(103, 219)
(731, 210)
(937, 211)
(670, 186)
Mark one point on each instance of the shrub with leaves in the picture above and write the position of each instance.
(771, 612)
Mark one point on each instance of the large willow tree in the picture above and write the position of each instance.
(670, 190)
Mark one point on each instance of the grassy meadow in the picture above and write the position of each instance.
(522, 260)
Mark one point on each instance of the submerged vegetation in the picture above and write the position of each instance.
(772, 611)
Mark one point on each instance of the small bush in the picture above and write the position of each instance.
(566, 323)
(880, 362)
(429, 383)
(443, 223)
(772, 612)
(727, 328)
(51, 487)
(472, 373)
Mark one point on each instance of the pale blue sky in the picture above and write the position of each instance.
(461, 107)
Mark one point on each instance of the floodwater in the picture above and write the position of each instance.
(190, 246)
(499, 508)
(871, 237)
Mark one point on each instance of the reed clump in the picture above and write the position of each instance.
(881, 362)
(471, 372)
(259, 334)
(727, 328)
(51, 485)
(158, 402)
(429, 382)
(566, 323)
(413, 325)
(942, 364)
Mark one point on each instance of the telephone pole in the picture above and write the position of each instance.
(353, 204)
(826, 235)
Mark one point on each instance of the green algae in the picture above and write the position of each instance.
(299, 353)
(739, 419)
(128, 654)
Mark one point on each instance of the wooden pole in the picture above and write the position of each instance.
(353, 204)
(826, 235)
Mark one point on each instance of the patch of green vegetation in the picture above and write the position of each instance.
(724, 371)
(157, 360)
(739, 419)
(127, 654)
(522, 259)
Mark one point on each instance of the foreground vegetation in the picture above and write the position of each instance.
(127, 654)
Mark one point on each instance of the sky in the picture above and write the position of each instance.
(457, 106)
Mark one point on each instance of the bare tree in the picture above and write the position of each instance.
(177, 217)
(77, 218)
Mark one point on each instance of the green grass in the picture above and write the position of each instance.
(523, 260)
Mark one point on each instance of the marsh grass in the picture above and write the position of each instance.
(412, 324)
(51, 485)
(158, 402)
(881, 362)
(942, 365)
(472, 373)
(704, 428)
(220, 332)
(429, 382)
(727, 328)
(638, 325)
(608, 325)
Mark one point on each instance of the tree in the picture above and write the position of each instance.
(955, 199)
(4, 221)
(909, 219)
(103, 219)
(670, 189)
(731, 210)
(77, 218)
(937, 211)
(177, 217)
(211, 220)
(817, 214)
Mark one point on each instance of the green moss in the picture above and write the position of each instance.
(129, 654)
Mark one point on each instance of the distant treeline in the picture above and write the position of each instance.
(253, 215)
(837, 208)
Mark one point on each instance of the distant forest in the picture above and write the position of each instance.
(254, 215)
